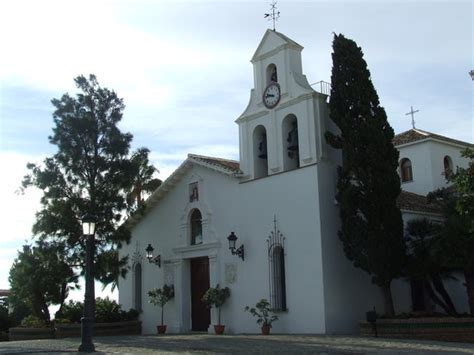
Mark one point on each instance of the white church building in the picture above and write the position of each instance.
(279, 201)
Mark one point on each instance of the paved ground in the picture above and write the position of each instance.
(227, 344)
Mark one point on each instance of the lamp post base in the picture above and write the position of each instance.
(86, 335)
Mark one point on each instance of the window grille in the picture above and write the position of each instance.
(138, 287)
(276, 260)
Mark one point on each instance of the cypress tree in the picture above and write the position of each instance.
(368, 182)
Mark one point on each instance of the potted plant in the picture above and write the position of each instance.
(265, 315)
(215, 297)
(159, 297)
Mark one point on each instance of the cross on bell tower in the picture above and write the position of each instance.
(412, 113)
(274, 14)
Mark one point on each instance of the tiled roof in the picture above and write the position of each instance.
(4, 293)
(227, 164)
(414, 135)
(417, 203)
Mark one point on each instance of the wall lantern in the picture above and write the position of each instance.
(152, 259)
(232, 238)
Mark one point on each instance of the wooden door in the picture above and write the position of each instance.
(200, 314)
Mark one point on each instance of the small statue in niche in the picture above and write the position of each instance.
(194, 192)
(274, 76)
(293, 141)
(262, 147)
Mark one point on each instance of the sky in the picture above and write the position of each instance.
(183, 69)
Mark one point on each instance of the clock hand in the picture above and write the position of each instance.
(269, 95)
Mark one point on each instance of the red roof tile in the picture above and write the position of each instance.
(227, 164)
(414, 135)
(416, 203)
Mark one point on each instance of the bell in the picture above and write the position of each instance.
(262, 147)
(293, 139)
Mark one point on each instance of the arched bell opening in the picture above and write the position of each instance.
(272, 74)
(260, 152)
(291, 149)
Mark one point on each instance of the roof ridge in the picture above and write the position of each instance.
(426, 133)
(190, 155)
(414, 135)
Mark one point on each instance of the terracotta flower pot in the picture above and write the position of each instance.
(266, 329)
(219, 329)
(161, 329)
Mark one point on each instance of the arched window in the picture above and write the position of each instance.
(137, 291)
(272, 75)
(260, 152)
(276, 259)
(448, 165)
(406, 170)
(291, 149)
(196, 227)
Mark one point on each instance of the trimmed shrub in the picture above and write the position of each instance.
(71, 311)
(32, 322)
(107, 310)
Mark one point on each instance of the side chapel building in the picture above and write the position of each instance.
(278, 200)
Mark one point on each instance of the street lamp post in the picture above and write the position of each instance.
(87, 321)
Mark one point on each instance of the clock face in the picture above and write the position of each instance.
(271, 95)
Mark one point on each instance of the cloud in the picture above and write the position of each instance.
(17, 211)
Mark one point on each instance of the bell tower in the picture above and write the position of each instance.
(282, 127)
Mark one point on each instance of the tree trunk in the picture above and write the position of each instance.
(434, 297)
(469, 277)
(439, 287)
(162, 311)
(389, 310)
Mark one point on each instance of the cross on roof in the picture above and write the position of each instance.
(412, 113)
(274, 15)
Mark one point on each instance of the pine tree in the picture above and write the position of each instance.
(91, 172)
(368, 183)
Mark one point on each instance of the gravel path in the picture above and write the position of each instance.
(229, 344)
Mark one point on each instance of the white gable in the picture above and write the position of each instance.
(273, 42)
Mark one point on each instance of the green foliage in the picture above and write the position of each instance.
(263, 312)
(143, 181)
(463, 182)
(161, 296)
(72, 311)
(423, 263)
(216, 297)
(90, 173)
(131, 314)
(5, 319)
(21, 310)
(457, 235)
(33, 322)
(368, 182)
(421, 238)
(106, 311)
(40, 277)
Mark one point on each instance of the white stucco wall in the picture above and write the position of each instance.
(248, 209)
(427, 164)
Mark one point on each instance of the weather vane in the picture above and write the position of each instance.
(412, 113)
(274, 15)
